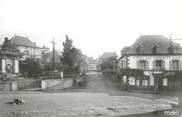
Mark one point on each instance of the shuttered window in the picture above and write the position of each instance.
(158, 64)
(175, 65)
(142, 64)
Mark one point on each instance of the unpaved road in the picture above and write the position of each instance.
(93, 101)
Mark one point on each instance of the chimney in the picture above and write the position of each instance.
(6, 40)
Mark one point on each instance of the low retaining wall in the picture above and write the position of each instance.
(50, 83)
(8, 86)
(28, 84)
(67, 83)
(31, 84)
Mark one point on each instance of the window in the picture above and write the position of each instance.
(140, 49)
(26, 52)
(142, 64)
(156, 49)
(170, 50)
(175, 65)
(122, 64)
(159, 64)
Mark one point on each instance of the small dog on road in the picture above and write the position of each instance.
(16, 102)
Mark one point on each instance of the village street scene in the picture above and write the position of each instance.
(90, 59)
(33, 83)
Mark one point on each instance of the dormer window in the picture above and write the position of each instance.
(140, 49)
(170, 50)
(155, 49)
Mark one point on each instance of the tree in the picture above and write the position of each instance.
(71, 56)
(66, 54)
(109, 64)
(30, 67)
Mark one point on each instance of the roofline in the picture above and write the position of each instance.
(160, 54)
(27, 46)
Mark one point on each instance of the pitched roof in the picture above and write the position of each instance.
(9, 50)
(48, 58)
(22, 41)
(150, 41)
(108, 54)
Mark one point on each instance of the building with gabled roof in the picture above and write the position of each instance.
(152, 62)
(27, 47)
(23, 41)
(106, 55)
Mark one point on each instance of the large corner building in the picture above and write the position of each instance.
(153, 62)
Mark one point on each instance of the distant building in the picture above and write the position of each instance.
(153, 62)
(27, 47)
(104, 56)
(92, 64)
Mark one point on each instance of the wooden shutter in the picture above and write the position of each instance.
(138, 64)
(154, 65)
(170, 65)
(147, 65)
(180, 65)
(163, 64)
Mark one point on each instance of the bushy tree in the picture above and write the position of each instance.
(109, 64)
(71, 56)
(66, 54)
(30, 67)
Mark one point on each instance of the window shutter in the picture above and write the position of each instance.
(154, 66)
(147, 65)
(138, 64)
(163, 64)
(170, 65)
(180, 65)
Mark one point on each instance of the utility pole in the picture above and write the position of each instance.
(127, 73)
(53, 43)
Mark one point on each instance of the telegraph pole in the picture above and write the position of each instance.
(127, 73)
(53, 43)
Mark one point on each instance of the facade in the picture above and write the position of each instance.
(27, 47)
(92, 64)
(153, 62)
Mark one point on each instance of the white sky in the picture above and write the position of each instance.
(96, 26)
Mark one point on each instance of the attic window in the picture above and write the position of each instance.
(155, 49)
(140, 49)
(170, 50)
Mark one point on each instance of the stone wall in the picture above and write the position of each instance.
(28, 84)
(50, 83)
